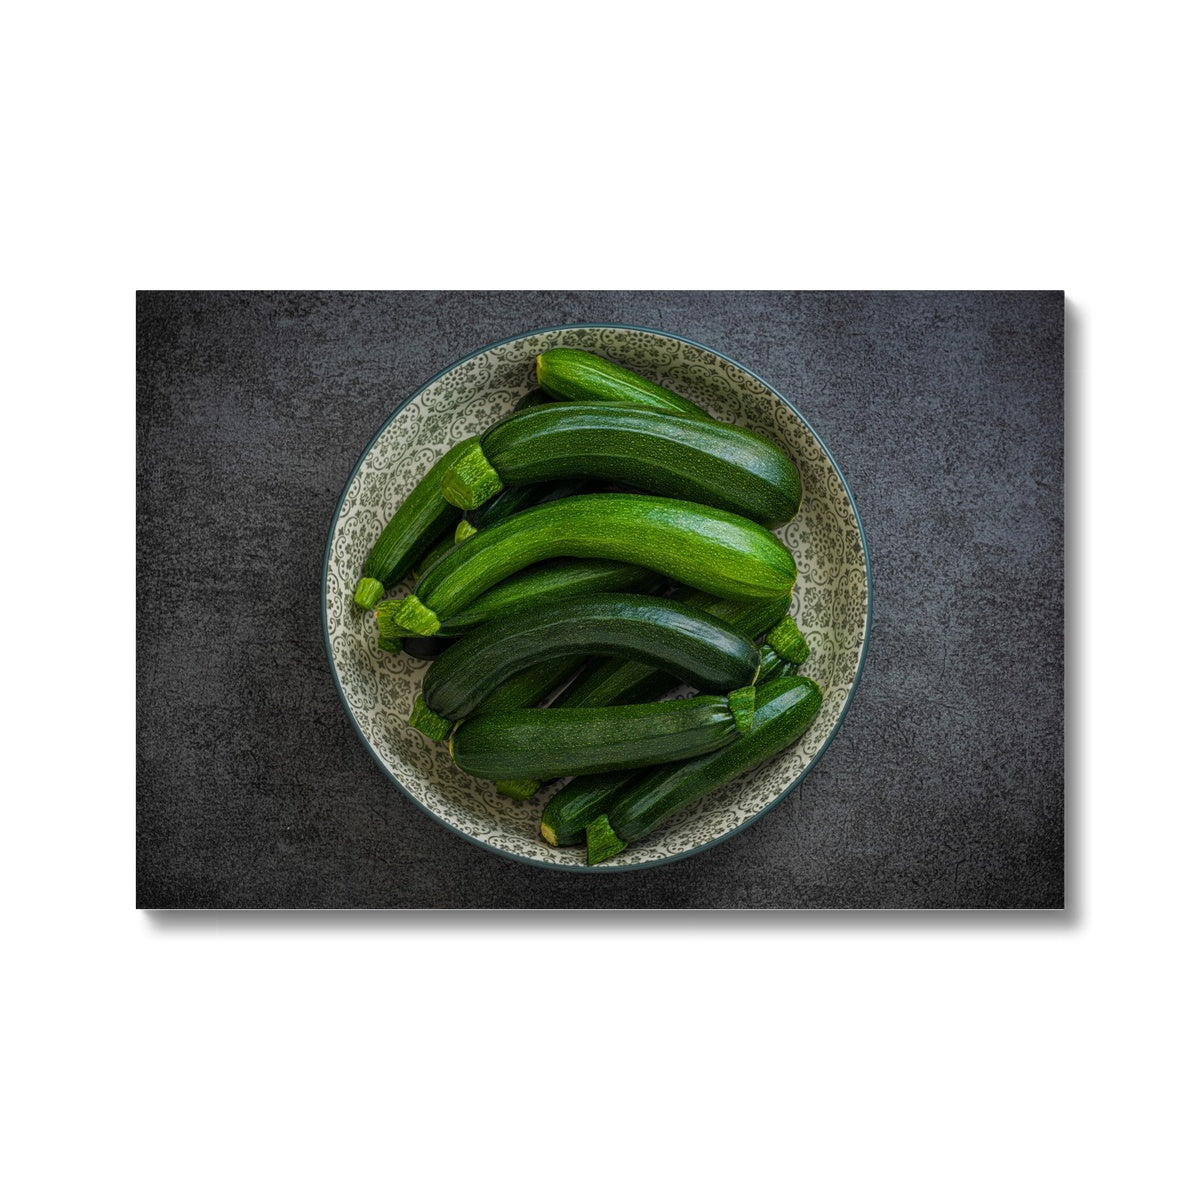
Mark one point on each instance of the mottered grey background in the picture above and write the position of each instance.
(945, 786)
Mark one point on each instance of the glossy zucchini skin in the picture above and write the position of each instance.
(707, 462)
(545, 583)
(719, 552)
(665, 635)
(784, 709)
(546, 742)
(607, 681)
(423, 517)
(579, 802)
(628, 681)
(583, 377)
(532, 685)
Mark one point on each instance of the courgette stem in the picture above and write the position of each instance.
(472, 480)
(463, 530)
(426, 721)
(788, 642)
(369, 592)
(741, 704)
(602, 841)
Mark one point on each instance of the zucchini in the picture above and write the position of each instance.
(569, 812)
(707, 462)
(557, 579)
(664, 635)
(720, 552)
(581, 376)
(783, 710)
(414, 528)
(547, 742)
(532, 685)
(628, 681)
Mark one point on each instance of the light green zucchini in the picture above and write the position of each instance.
(718, 552)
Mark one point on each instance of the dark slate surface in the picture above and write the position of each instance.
(944, 788)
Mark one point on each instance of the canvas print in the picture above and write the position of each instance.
(657, 600)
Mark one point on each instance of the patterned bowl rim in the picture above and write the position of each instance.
(578, 867)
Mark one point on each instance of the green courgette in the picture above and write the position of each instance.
(707, 462)
(545, 583)
(579, 741)
(666, 635)
(716, 551)
(783, 710)
(413, 530)
(532, 684)
(583, 377)
(629, 681)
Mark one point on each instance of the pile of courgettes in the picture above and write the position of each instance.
(609, 536)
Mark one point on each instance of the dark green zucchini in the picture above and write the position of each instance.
(569, 812)
(414, 528)
(774, 666)
(783, 710)
(628, 681)
(665, 635)
(531, 685)
(719, 552)
(548, 582)
(526, 742)
(583, 377)
(707, 462)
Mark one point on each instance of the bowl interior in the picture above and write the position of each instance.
(830, 603)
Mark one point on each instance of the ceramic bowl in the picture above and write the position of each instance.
(832, 600)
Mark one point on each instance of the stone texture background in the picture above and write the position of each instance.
(945, 786)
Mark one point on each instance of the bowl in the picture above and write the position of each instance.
(831, 602)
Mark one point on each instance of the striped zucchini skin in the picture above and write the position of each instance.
(583, 377)
(783, 710)
(719, 552)
(412, 532)
(663, 634)
(545, 742)
(708, 462)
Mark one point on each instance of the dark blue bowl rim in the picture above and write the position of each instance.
(582, 867)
